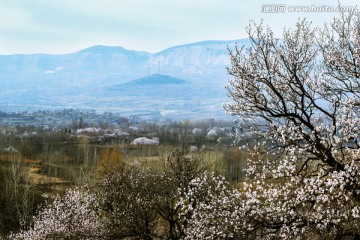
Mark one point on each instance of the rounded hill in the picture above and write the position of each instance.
(156, 79)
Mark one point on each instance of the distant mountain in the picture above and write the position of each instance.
(92, 78)
(100, 49)
(155, 79)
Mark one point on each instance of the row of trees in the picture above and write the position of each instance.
(36, 161)
(19, 199)
(126, 202)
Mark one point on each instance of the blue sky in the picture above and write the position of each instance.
(63, 26)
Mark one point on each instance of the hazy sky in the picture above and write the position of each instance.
(63, 26)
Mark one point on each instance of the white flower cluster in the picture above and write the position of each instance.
(145, 141)
(74, 216)
(269, 209)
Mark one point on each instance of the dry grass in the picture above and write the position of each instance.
(37, 179)
(154, 163)
(30, 166)
(9, 156)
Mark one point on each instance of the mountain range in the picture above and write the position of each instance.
(185, 81)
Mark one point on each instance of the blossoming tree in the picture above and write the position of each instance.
(301, 95)
(74, 216)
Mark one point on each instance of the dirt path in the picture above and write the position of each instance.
(36, 178)
(33, 170)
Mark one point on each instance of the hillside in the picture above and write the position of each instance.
(94, 78)
(155, 79)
